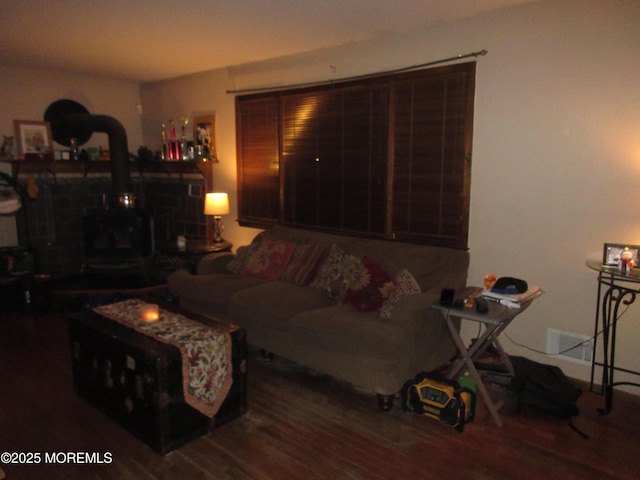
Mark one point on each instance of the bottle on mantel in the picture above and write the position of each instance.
(164, 143)
(174, 144)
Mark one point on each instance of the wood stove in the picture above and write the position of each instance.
(117, 239)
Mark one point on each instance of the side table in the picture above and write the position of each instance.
(194, 250)
(494, 322)
(197, 247)
(615, 289)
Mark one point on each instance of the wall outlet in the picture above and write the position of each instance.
(570, 346)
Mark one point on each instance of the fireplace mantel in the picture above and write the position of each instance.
(52, 221)
(102, 168)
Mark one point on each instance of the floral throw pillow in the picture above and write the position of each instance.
(406, 284)
(369, 286)
(330, 273)
(243, 254)
(270, 259)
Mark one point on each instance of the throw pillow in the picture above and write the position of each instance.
(270, 259)
(304, 263)
(406, 284)
(329, 277)
(243, 254)
(370, 287)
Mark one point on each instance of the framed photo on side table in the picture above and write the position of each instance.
(612, 251)
(34, 140)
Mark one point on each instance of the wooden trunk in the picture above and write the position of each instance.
(137, 381)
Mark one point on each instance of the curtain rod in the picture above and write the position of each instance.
(358, 77)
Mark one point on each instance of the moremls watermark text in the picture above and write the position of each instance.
(56, 457)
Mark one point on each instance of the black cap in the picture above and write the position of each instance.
(509, 285)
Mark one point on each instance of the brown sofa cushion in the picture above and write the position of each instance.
(214, 289)
(273, 303)
(341, 328)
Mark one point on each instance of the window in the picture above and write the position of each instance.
(334, 158)
(257, 135)
(432, 126)
(387, 157)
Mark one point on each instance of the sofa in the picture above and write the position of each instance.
(357, 309)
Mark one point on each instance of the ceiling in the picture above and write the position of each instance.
(150, 40)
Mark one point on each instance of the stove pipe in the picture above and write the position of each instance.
(118, 145)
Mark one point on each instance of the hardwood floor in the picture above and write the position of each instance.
(299, 425)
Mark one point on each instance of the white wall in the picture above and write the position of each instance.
(26, 94)
(556, 143)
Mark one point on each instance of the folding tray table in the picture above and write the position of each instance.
(494, 322)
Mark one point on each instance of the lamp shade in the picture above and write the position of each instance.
(216, 204)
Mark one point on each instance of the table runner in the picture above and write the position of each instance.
(206, 352)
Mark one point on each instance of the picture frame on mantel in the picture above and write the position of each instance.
(204, 135)
(34, 140)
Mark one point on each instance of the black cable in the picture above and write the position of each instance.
(592, 338)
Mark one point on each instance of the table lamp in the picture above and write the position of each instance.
(216, 204)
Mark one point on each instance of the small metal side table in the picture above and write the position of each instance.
(494, 322)
(194, 250)
(198, 247)
(615, 289)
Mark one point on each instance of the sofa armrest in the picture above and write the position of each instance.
(413, 308)
(214, 263)
(427, 329)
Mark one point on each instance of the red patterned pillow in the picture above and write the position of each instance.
(270, 260)
(304, 263)
(368, 290)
